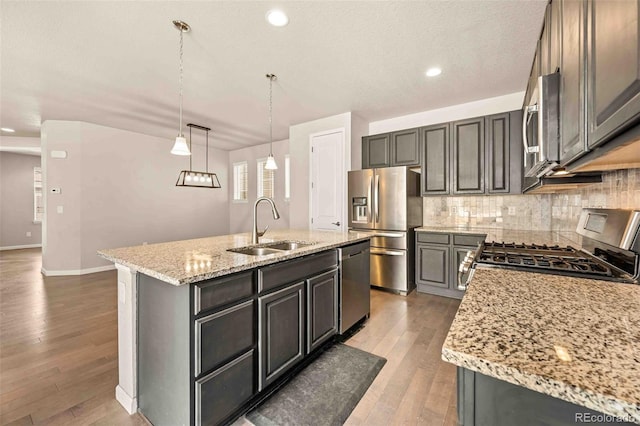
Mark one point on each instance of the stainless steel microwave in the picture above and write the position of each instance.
(540, 127)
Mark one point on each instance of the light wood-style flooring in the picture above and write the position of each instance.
(58, 352)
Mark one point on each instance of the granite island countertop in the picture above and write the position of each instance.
(574, 339)
(563, 238)
(189, 261)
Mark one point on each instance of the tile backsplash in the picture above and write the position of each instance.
(619, 189)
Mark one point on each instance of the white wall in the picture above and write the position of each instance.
(16, 201)
(241, 213)
(118, 189)
(482, 107)
(359, 128)
(299, 149)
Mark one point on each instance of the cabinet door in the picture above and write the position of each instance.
(281, 331)
(432, 265)
(498, 153)
(375, 151)
(222, 392)
(613, 52)
(405, 148)
(435, 160)
(468, 156)
(322, 312)
(572, 111)
(533, 75)
(545, 43)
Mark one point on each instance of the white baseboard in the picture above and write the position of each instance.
(130, 404)
(77, 271)
(25, 246)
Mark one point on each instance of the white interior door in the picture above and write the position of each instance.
(328, 181)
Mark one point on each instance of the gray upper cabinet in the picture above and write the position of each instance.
(435, 160)
(572, 111)
(375, 151)
(468, 156)
(613, 67)
(498, 153)
(405, 148)
(401, 148)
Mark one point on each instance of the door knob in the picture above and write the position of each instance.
(335, 223)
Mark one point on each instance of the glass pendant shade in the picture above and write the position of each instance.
(271, 163)
(180, 147)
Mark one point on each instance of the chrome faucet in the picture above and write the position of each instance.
(255, 234)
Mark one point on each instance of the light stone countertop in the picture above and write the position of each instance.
(189, 261)
(564, 238)
(517, 326)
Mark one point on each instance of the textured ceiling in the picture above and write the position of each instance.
(115, 63)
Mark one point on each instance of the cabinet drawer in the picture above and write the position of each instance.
(433, 238)
(467, 240)
(223, 335)
(222, 291)
(295, 270)
(224, 391)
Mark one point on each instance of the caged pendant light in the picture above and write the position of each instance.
(180, 146)
(197, 179)
(271, 162)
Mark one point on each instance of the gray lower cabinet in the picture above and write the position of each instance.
(438, 256)
(207, 349)
(487, 401)
(281, 334)
(322, 312)
(223, 391)
(375, 151)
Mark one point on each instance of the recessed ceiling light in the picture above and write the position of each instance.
(277, 18)
(6, 129)
(432, 72)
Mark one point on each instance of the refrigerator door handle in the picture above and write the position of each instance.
(387, 252)
(377, 198)
(370, 201)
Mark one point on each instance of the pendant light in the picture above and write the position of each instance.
(271, 162)
(194, 178)
(180, 146)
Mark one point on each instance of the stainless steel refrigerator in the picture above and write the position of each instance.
(386, 203)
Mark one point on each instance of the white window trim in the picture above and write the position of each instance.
(235, 183)
(287, 178)
(259, 187)
(34, 217)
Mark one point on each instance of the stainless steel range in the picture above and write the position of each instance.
(611, 251)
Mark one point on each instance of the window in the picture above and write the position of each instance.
(287, 178)
(38, 208)
(240, 182)
(265, 180)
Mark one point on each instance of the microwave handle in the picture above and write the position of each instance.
(528, 110)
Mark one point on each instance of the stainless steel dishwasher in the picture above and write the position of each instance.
(354, 284)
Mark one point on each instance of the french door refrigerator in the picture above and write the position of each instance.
(386, 203)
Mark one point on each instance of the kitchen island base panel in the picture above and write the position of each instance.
(127, 389)
(486, 401)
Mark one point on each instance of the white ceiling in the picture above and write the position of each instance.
(116, 63)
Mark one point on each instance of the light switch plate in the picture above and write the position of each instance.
(60, 209)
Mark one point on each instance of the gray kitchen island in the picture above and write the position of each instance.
(205, 330)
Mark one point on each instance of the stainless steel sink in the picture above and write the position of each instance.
(256, 251)
(287, 245)
(270, 248)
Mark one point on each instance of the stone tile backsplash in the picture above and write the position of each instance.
(619, 189)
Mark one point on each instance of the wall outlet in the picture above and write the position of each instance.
(60, 209)
(28, 234)
(512, 211)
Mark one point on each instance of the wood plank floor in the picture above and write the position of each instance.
(58, 352)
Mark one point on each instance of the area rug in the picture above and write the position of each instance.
(324, 393)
